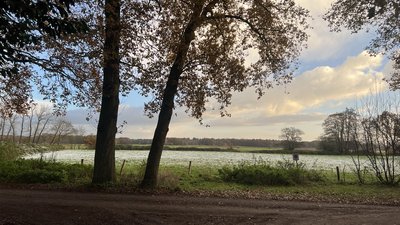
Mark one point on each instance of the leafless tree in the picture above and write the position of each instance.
(291, 137)
(43, 116)
(11, 127)
(60, 128)
(378, 136)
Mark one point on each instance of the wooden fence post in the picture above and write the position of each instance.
(122, 167)
(338, 174)
(190, 167)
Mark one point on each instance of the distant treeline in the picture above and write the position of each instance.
(227, 142)
(142, 144)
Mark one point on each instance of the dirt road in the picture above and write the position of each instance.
(51, 207)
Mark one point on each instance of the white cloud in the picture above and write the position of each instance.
(324, 45)
(354, 78)
(312, 96)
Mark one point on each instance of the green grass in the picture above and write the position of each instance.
(43, 172)
(9, 151)
(209, 181)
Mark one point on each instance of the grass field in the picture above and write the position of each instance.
(206, 180)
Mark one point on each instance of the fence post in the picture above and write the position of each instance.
(81, 161)
(338, 173)
(190, 167)
(122, 167)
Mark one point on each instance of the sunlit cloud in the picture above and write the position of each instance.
(336, 73)
(304, 103)
(324, 45)
(354, 78)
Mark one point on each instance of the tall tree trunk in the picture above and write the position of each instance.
(22, 128)
(41, 130)
(30, 126)
(13, 127)
(9, 130)
(3, 127)
(53, 139)
(167, 105)
(104, 160)
(36, 130)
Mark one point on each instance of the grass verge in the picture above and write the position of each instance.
(290, 182)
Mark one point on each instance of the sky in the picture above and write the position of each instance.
(335, 72)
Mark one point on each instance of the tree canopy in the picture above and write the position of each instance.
(198, 50)
(23, 26)
(340, 131)
(381, 16)
(236, 44)
(291, 137)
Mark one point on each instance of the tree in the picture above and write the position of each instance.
(11, 129)
(30, 116)
(61, 128)
(23, 26)
(205, 55)
(291, 137)
(90, 141)
(379, 140)
(340, 130)
(21, 131)
(43, 116)
(78, 61)
(382, 16)
(104, 160)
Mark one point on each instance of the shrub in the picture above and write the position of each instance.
(136, 174)
(39, 171)
(40, 176)
(261, 173)
(168, 179)
(9, 151)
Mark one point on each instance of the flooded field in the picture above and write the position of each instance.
(202, 158)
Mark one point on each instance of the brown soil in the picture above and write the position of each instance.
(28, 207)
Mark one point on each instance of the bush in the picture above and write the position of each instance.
(39, 171)
(261, 173)
(40, 176)
(9, 151)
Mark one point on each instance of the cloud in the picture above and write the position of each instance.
(304, 103)
(324, 45)
(354, 78)
(307, 101)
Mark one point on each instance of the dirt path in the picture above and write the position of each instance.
(51, 207)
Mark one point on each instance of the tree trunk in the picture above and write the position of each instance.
(22, 128)
(104, 160)
(36, 130)
(30, 126)
(53, 139)
(41, 130)
(12, 126)
(167, 105)
(3, 127)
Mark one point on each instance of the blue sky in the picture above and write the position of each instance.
(334, 73)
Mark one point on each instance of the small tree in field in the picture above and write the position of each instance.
(291, 137)
(339, 131)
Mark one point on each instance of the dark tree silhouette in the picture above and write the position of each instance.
(198, 50)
